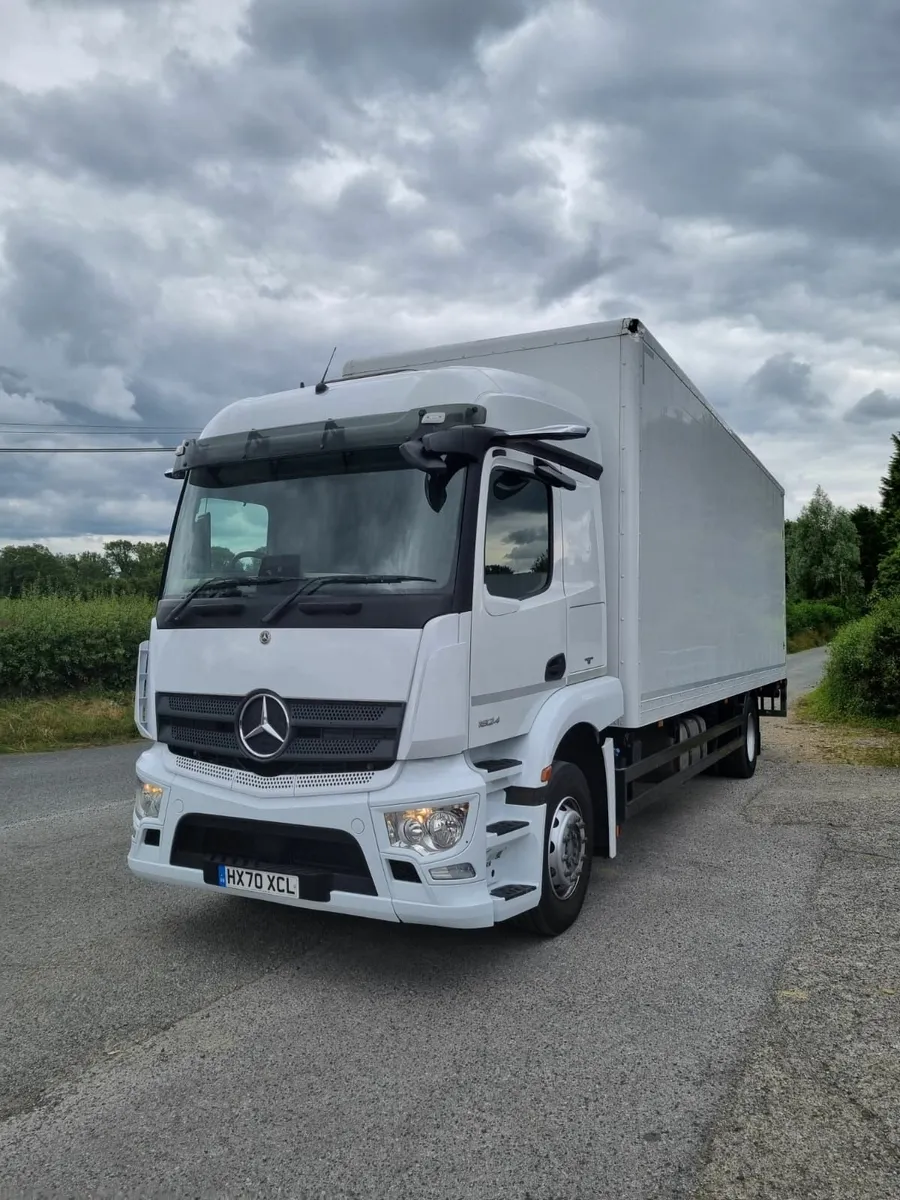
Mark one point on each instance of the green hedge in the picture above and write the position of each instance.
(863, 673)
(54, 644)
(812, 623)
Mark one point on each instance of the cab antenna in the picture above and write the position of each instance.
(322, 386)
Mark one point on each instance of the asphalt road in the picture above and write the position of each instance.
(805, 670)
(167, 1043)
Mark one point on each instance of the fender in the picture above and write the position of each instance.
(598, 703)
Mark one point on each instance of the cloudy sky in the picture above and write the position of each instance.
(199, 198)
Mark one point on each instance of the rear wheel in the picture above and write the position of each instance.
(568, 852)
(742, 763)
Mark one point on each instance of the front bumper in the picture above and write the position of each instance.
(462, 904)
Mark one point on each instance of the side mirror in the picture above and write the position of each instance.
(436, 490)
(201, 543)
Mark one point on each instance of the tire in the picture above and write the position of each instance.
(566, 869)
(742, 763)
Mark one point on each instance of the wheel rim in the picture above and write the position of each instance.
(751, 737)
(566, 848)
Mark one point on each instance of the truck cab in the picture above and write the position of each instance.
(376, 602)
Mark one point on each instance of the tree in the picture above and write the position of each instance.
(788, 536)
(89, 572)
(888, 582)
(136, 566)
(823, 561)
(123, 567)
(890, 495)
(872, 542)
(25, 569)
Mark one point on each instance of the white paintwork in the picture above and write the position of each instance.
(438, 720)
(584, 580)
(692, 527)
(512, 640)
(540, 402)
(144, 711)
(460, 904)
(711, 570)
(595, 702)
(330, 664)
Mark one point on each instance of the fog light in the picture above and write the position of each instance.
(147, 800)
(454, 871)
(428, 830)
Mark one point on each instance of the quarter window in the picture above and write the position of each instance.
(517, 543)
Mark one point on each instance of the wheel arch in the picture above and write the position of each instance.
(589, 749)
(583, 713)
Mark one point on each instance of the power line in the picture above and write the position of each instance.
(21, 428)
(87, 449)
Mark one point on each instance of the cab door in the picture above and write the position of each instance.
(519, 611)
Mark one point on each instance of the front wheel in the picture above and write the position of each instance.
(568, 852)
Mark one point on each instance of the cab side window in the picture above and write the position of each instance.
(518, 535)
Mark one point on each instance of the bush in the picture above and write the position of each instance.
(54, 644)
(862, 678)
(812, 623)
(888, 582)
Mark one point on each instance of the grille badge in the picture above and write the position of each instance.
(263, 726)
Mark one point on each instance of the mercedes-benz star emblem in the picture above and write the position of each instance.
(263, 725)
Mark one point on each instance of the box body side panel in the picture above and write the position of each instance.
(711, 560)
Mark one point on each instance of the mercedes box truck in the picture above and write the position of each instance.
(430, 633)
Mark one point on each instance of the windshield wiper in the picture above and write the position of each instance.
(221, 581)
(312, 585)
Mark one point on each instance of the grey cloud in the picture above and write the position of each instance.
(13, 383)
(392, 43)
(122, 5)
(53, 293)
(779, 395)
(576, 271)
(712, 115)
(875, 407)
(788, 380)
(697, 112)
(164, 133)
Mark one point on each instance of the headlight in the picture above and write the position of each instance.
(147, 800)
(428, 830)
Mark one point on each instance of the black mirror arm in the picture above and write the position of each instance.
(416, 455)
(553, 476)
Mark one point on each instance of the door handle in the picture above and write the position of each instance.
(555, 669)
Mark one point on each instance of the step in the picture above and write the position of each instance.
(497, 767)
(512, 891)
(500, 828)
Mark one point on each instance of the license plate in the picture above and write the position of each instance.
(259, 883)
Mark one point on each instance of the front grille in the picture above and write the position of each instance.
(282, 784)
(326, 735)
(325, 859)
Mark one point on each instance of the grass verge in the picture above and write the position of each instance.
(853, 741)
(32, 724)
(808, 639)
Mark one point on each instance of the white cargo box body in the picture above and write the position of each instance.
(693, 524)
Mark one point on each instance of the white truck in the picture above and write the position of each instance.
(430, 633)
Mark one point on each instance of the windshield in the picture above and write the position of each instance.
(340, 521)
